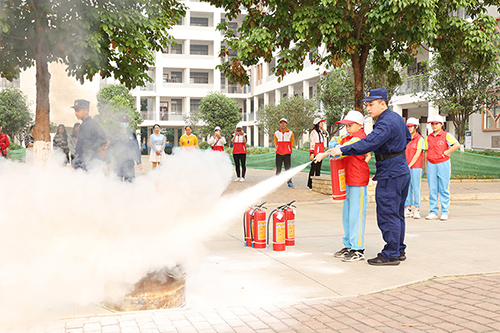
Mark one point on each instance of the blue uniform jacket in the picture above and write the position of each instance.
(90, 138)
(390, 135)
(123, 147)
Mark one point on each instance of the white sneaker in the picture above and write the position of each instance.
(408, 212)
(416, 213)
(431, 216)
(242, 179)
(237, 180)
(444, 218)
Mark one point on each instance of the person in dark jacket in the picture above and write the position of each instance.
(388, 141)
(91, 139)
(124, 151)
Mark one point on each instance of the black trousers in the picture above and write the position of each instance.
(283, 159)
(315, 171)
(240, 159)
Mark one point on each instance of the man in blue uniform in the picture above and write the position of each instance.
(124, 151)
(91, 138)
(388, 141)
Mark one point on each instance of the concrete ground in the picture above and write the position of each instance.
(450, 281)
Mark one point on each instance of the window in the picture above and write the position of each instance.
(176, 106)
(222, 81)
(199, 21)
(176, 49)
(199, 49)
(163, 110)
(176, 77)
(491, 117)
(199, 77)
(195, 104)
(4, 83)
(233, 26)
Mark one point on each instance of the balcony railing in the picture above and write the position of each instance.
(249, 117)
(148, 115)
(414, 84)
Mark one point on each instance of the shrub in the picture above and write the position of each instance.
(204, 145)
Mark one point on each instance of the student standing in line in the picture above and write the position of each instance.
(283, 141)
(217, 141)
(414, 158)
(188, 140)
(317, 139)
(439, 145)
(239, 141)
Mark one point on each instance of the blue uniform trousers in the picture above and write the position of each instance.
(413, 198)
(354, 217)
(438, 178)
(125, 170)
(390, 197)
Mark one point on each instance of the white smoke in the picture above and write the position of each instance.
(67, 234)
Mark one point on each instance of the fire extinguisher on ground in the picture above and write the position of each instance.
(254, 226)
(337, 168)
(283, 226)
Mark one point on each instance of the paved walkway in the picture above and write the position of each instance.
(450, 282)
(450, 304)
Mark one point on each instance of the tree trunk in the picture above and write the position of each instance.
(41, 147)
(358, 66)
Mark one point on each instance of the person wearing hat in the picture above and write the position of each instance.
(217, 141)
(388, 141)
(283, 141)
(317, 139)
(439, 145)
(357, 176)
(91, 138)
(414, 158)
(239, 141)
(124, 151)
(4, 143)
(188, 140)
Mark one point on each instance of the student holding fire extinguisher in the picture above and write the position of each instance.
(357, 176)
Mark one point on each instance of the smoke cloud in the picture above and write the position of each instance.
(66, 234)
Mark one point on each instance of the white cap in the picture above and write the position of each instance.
(317, 120)
(353, 117)
(436, 119)
(239, 126)
(412, 122)
(284, 119)
(217, 128)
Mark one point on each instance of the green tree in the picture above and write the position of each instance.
(113, 101)
(299, 113)
(15, 116)
(348, 30)
(459, 90)
(336, 88)
(111, 38)
(216, 109)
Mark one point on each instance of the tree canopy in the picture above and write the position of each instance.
(299, 113)
(348, 30)
(216, 109)
(460, 91)
(113, 101)
(336, 88)
(112, 38)
(15, 116)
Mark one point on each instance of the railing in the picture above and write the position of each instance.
(249, 117)
(148, 115)
(414, 84)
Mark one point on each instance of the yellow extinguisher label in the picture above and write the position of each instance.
(291, 228)
(342, 179)
(280, 232)
(262, 230)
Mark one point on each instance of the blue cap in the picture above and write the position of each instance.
(374, 94)
(81, 104)
(123, 119)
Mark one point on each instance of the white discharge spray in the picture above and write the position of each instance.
(66, 234)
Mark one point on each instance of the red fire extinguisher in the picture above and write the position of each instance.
(279, 227)
(337, 167)
(254, 226)
(290, 224)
